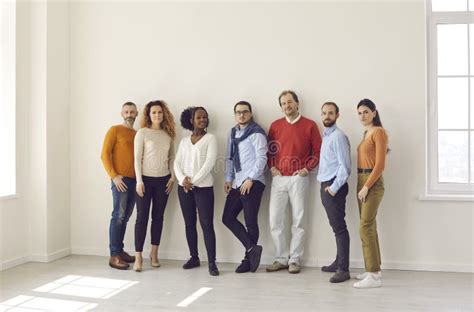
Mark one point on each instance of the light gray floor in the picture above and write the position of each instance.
(161, 289)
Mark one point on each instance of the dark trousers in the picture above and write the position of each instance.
(336, 211)
(250, 203)
(199, 201)
(155, 195)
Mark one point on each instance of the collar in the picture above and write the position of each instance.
(237, 127)
(294, 121)
(329, 130)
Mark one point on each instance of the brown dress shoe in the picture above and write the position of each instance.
(117, 263)
(126, 257)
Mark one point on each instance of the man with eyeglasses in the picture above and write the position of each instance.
(246, 160)
(294, 146)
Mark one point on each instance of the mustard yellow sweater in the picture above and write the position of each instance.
(117, 151)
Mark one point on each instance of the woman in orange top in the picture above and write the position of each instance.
(371, 154)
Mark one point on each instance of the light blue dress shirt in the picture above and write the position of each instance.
(253, 159)
(335, 158)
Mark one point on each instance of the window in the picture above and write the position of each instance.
(7, 98)
(450, 97)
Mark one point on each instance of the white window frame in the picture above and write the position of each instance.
(8, 87)
(434, 188)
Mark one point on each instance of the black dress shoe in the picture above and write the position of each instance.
(340, 276)
(254, 256)
(213, 268)
(330, 268)
(126, 257)
(243, 267)
(191, 263)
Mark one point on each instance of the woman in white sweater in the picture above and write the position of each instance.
(154, 153)
(194, 162)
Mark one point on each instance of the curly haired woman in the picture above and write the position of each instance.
(154, 153)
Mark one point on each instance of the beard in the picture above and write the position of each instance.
(328, 123)
(129, 119)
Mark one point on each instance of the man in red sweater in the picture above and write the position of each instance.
(293, 151)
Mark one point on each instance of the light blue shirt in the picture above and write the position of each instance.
(335, 158)
(253, 159)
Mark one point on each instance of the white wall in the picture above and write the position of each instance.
(58, 158)
(35, 225)
(36, 193)
(49, 211)
(215, 54)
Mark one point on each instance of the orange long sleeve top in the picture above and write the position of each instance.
(371, 154)
(117, 151)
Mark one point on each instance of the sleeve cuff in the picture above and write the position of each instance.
(334, 189)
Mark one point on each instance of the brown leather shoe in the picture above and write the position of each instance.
(117, 263)
(126, 257)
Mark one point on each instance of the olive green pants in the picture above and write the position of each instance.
(368, 224)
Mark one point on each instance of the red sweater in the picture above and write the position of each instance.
(292, 147)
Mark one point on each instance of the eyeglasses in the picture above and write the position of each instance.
(241, 113)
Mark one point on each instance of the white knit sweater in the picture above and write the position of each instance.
(196, 160)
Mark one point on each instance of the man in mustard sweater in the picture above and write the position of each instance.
(117, 158)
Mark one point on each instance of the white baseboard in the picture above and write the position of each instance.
(166, 255)
(404, 266)
(8, 264)
(354, 264)
(85, 251)
(433, 267)
(50, 257)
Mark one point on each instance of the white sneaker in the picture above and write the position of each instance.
(372, 280)
(361, 276)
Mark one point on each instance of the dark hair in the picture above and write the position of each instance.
(293, 94)
(129, 104)
(188, 114)
(168, 123)
(376, 121)
(243, 103)
(371, 105)
(333, 104)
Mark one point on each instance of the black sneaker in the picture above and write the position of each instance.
(191, 263)
(213, 268)
(254, 256)
(340, 276)
(330, 268)
(243, 267)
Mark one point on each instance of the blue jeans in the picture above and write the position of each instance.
(123, 208)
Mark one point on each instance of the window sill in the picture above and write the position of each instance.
(438, 197)
(8, 197)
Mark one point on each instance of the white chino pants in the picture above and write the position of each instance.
(294, 189)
